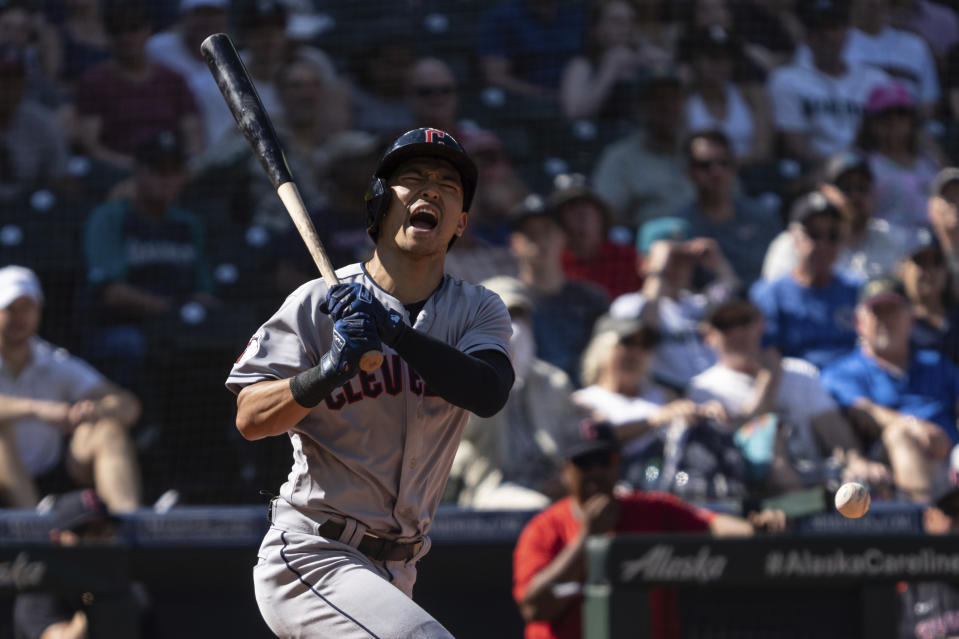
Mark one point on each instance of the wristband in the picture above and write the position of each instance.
(311, 387)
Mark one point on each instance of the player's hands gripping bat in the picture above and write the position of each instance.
(344, 299)
(254, 122)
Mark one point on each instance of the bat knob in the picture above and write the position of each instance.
(371, 360)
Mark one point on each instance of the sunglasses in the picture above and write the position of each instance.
(432, 92)
(703, 165)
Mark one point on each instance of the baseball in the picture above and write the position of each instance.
(852, 500)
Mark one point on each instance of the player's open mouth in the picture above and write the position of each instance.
(423, 219)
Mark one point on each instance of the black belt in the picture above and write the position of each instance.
(374, 547)
(377, 548)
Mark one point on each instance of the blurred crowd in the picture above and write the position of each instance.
(727, 230)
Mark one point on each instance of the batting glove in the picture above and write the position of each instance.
(353, 336)
(356, 298)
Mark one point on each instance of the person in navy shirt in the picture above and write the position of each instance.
(809, 313)
(901, 398)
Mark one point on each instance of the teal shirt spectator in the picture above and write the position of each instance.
(165, 256)
(928, 389)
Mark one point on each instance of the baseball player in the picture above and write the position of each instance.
(372, 450)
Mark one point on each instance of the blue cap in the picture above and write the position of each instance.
(661, 228)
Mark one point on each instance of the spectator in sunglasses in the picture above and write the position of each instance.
(901, 400)
(432, 96)
(928, 286)
(738, 224)
(777, 402)
(871, 246)
(901, 159)
(809, 312)
(549, 561)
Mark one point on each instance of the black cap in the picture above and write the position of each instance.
(429, 142)
(532, 206)
(842, 163)
(881, 289)
(257, 13)
(162, 150)
(573, 188)
(818, 14)
(658, 75)
(594, 437)
(121, 16)
(75, 509)
(810, 205)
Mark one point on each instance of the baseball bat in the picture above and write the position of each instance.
(253, 121)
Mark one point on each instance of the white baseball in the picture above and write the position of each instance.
(852, 500)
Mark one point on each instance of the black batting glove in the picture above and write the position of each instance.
(356, 298)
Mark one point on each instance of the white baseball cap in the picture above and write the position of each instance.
(17, 282)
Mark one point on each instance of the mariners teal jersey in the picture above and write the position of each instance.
(379, 448)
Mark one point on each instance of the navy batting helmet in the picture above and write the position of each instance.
(424, 142)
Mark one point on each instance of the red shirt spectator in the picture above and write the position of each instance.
(547, 534)
(613, 267)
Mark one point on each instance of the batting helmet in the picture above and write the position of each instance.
(424, 142)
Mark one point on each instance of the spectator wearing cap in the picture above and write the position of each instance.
(128, 98)
(522, 45)
(904, 167)
(590, 255)
(817, 105)
(549, 560)
(931, 609)
(482, 251)
(757, 387)
(351, 157)
(564, 309)
(600, 82)
(668, 299)
(144, 255)
(809, 312)
(179, 49)
(33, 149)
(379, 77)
(642, 175)
(871, 247)
(79, 518)
(511, 460)
(740, 225)
(60, 419)
(266, 48)
(718, 100)
(902, 399)
(928, 286)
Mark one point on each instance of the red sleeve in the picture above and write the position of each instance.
(655, 512)
(680, 515)
(538, 545)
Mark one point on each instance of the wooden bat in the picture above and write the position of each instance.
(240, 94)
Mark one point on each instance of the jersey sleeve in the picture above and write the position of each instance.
(680, 516)
(103, 245)
(291, 341)
(490, 328)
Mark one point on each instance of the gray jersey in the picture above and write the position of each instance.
(380, 447)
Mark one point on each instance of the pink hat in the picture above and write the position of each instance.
(889, 96)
